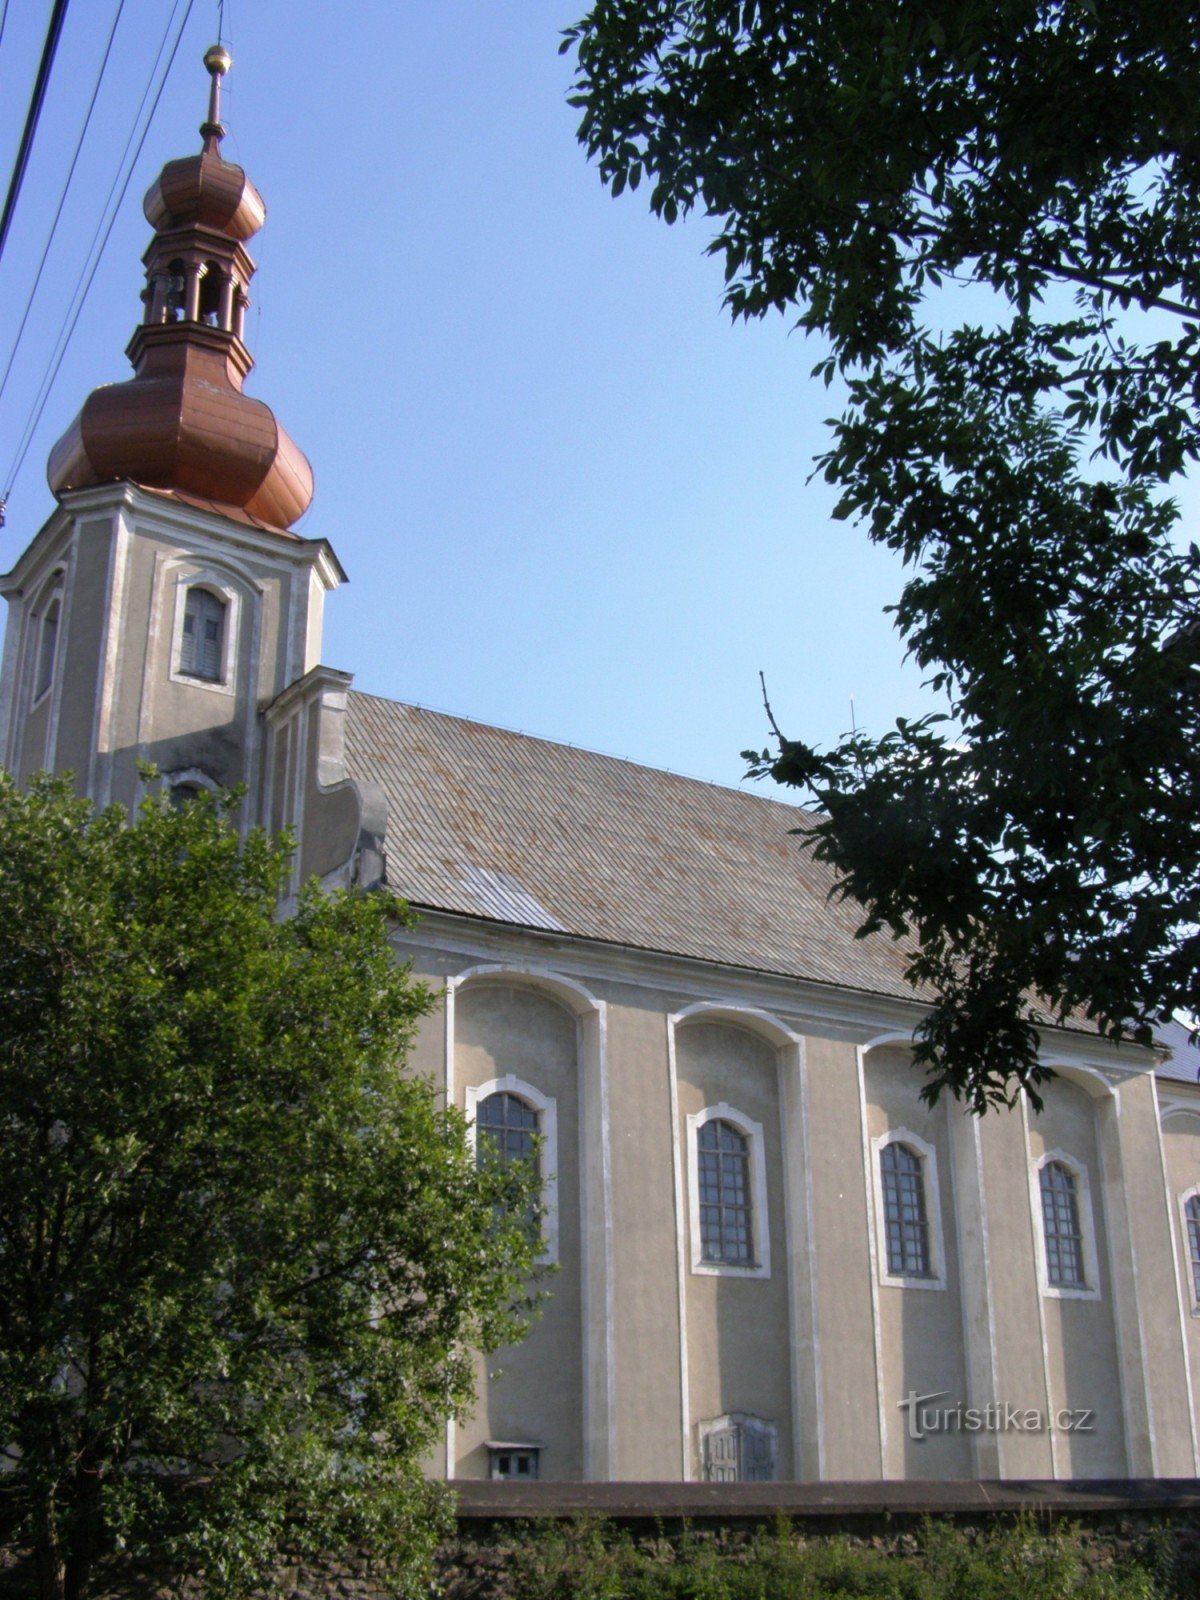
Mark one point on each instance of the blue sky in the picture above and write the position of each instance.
(571, 497)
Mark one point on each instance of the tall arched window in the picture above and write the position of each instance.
(726, 1222)
(202, 648)
(1060, 1227)
(905, 1217)
(1191, 1212)
(506, 1127)
(514, 1121)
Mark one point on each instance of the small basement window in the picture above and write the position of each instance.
(518, 1462)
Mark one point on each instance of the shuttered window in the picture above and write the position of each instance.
(203, 635)
(738, 1449)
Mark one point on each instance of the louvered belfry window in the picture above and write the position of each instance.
(726, 1232)
(1063, 1235)
(203, 635)
(904, 1215)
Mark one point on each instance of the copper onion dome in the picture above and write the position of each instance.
(182, 422)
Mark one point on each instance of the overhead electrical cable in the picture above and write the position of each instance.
(3, 19)
(79, 297)
(49, 49)
(37, 278)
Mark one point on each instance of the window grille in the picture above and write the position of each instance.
(506, 1127)
(723, 1160)
(1061, 1230)
(906, 1224)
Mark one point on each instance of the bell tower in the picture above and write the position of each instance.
(182, 423)
(168, 612)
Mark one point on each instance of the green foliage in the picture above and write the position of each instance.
(1036, 846)
(589, 1560)
(242, 1258)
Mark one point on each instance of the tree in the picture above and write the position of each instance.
(1035, 843)
(242, 1257)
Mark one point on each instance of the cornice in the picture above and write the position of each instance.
(314, 681)
(176, 519)
(856, 1015)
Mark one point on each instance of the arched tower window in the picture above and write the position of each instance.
(1061, 1230)
(723, 1170)
(47, 648)
(212, 283)
(175, 291)
(201, 651)
(905, 1215)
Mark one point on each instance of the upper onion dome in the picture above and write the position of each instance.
(182, 423)
(207, 190)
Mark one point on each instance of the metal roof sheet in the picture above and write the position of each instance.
(500, 825)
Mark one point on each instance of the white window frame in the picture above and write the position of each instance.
(231, 599)
(1087, 1228)
(1185, 1239)
(547, 1111)
(933, 1211)
(760, 1231)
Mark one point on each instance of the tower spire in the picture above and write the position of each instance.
(218, 61)
(182, 422)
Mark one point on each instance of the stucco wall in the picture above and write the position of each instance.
(824, 1347)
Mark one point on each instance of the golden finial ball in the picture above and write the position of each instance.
(217, 59)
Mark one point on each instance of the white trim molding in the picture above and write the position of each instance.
(547, 1112)
(936, 1277)
(228, 590)
(1087, 1227)
(760, 1229)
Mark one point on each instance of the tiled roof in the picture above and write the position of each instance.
(501, 826)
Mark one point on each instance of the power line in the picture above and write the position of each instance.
(3, 19)
(57, 17)
(64, 338)
(62, 197)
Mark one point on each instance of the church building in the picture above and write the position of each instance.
(774, 1260)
